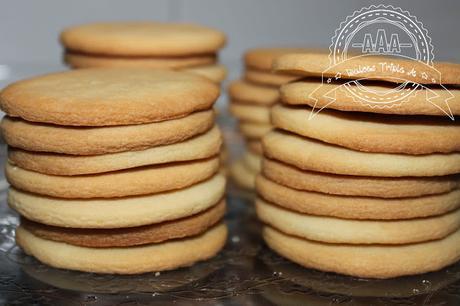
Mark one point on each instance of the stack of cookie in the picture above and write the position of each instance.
(115, 170)
(187, 47)
(359, 190)
(250, 101)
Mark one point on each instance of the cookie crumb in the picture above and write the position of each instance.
(235, 239)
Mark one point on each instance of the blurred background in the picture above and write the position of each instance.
(29, 29)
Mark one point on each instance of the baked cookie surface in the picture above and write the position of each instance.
(81, 60)
(309, 154)
(356, 207)
(265, 78)
(250, 113)
(40, 137)
(101, 97)
(142, 39)
(316, 62)
(250, 93)
(336, 230)
(372, 261)
(125, 237)
(199, 147)
(311, 92)
(371, 132)
(352, 185)
(136, 181)
(254, 131)
(262, 58)
(243, 175)
(167, 255)
(118, 212)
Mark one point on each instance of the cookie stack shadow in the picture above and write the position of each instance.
(250, 101)
(115, 170)
(367, 192)
(187, 47)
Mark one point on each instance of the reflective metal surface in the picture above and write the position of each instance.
(245, 273)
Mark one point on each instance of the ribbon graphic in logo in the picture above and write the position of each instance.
(381, 43)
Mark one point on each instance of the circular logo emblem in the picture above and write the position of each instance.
(381, 43)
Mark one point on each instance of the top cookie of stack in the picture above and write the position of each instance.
(357, 188)
(115, 170)
(186, 47)
(251, 100)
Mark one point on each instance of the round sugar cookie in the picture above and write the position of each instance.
(81, 60)
(223, 159)
(242, 175)
(254, 94)
(309, 92)
(40, 137)
(252, 161)
(314, 63)
(356, 207)
(349, 185)
(112, 96)
(142, 39)
(216, 73)
(203, 65)
(336, 230)
(253, 130)
(124, 237)
(137, 181)
(268, 78)
(125, 260)
(371, 261)
(372, 133)
(199, 147)
(118, 212)
(262, 58)
(250, 113)
(255, 146)
(309, 154)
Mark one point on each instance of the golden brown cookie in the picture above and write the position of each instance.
(167, 255)
(118, 212)
(373, 261)
(356, 207)
(102, 140)
(268, 78)
(246, 92)
(250, 113)
(216, 73)
(137, 181)
(100, 97)
(309, 92)
(262, 58)
(350, 185)
(132, 236)
(199, 147)
(252, 161)
(242, 175)
(255, 146)
(254, 131)
(142, 39)
(349, 231)
(316, 62)
(370, 132)
(82, 60)
(309, 154)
